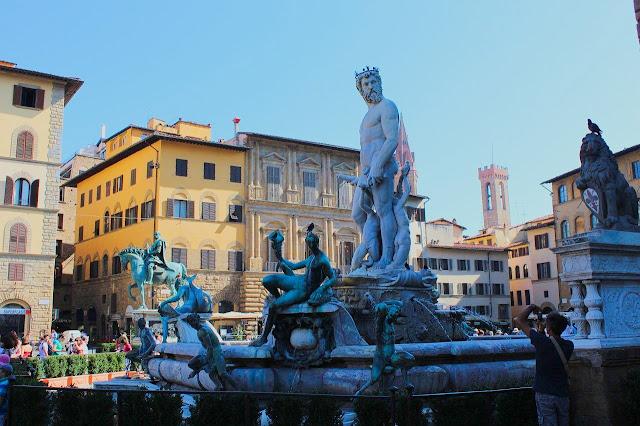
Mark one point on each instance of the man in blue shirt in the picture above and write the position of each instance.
(551, 383)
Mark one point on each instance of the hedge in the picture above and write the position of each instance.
(73, 365)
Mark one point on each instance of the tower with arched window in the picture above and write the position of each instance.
(494, 188)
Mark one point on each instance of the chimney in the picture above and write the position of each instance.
(7, 64)
(236, 124)
(103, 131)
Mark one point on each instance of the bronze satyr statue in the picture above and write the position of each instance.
(386, 359)
(617, 202)
(147, 345)
(194, 300)
(212, 361)
(295, 288)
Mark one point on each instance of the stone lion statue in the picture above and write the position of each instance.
(599, 171)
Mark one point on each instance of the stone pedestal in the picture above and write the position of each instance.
(602, 269)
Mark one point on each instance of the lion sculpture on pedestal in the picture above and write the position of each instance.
(618, 202)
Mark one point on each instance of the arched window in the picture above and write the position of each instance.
(106, 222)
(525, 271)
(510, 273)
(564, 229)
(562, 194)
(225, 306)
(489, 197)
(503, 199)
(517, 272)
(579, 225)
(24, 146)
(575, 191)
(594, 221)
(105, 265)
(18, 238)
(21, 192)
(116, 266)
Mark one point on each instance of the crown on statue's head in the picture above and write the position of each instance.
(366, 72)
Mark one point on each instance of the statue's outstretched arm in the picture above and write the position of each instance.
(296, 265)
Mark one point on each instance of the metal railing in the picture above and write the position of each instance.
(37, 405)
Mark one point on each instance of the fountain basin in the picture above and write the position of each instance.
(440, 367)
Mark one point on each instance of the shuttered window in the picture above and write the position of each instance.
(179, 255)
(18, 238)
(116, 221)
(116, 266)
(310, 195)
(235, 174)
(149, 169)
(93, 269)
(236, 259)
(181, 167)
(147, 210)
(133, 177)
(98, 192)
(207, 259)
(108, 189)
(209, 171)
(208, 211)
(79, 273)
(8, 190)
(131, 216)
(96, 228)
(105, 265)
(274, 186)
(24, 146)
(80, 233)
(180, 209)
(28, 97)
(107, 222)
(16, 272)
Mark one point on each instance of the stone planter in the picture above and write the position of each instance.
(84, 380)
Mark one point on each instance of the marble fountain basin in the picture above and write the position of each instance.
(440, 367)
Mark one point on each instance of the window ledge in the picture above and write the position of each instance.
(28, 208)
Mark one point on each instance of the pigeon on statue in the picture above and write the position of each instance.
(593, 127)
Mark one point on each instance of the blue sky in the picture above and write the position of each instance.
(471, 78)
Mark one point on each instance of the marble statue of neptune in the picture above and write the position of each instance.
(378, 142)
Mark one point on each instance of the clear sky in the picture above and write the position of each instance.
(474, 79)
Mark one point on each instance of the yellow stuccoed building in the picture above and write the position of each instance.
(31, 121)
(166, 178)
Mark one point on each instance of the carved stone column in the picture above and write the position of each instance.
(594, 316)
(577, 302)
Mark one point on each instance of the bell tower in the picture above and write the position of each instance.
(494, 190)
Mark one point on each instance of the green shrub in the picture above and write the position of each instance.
(472, 409)
(519, 405)
(323, 412)
(285, 411)
(138, 408)
(372, 411)
(55, 366)
(31, 406)
(630, 401)
(409, 411)
(165, 409)
(115, 361)
(220, 409)
(132, 407)
(97, 363)
(71, 408)
(106, 347)
(77, 365)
